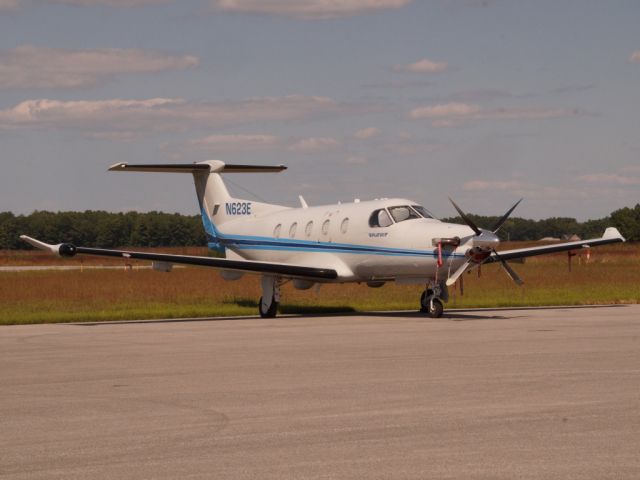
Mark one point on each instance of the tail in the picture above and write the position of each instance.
(216, 205)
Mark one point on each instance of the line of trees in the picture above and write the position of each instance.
(102, 229)
(627, 220)
(156, 229)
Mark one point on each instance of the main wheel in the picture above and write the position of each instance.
(271, 311)
(435, 308)
(424, 304)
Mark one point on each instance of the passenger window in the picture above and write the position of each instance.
(400, 214)
(380, 218)
(344, 226)
(276, 231)
(292, 230)
(325, 227)
(308, 229)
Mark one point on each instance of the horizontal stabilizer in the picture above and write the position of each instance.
(216, 166)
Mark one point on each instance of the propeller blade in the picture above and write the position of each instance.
(466, 219)
(504, 218)
(463, 268)
(509, 271)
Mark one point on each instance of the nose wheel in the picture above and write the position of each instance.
(435, 308)
(431, 301)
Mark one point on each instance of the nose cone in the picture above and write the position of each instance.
(486, 239)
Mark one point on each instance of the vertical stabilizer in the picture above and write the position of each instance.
(217, 206)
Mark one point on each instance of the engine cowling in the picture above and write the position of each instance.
(67, 250)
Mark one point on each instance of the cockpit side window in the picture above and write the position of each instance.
(380, 218)
(422, 211)
(402, 213)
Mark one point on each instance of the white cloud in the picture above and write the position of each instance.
(529, 191)
(314, 145)
(481, 185)
(356, 160)
(533, 113)
(422, 66)
(367, 133)
(159, 114)
(583, 188)
(112, 3)
(609, 179)
(237, 142)
(408, 148)
(635, 57)
(453, 114)
(446, 123)
(445, 110)
(308, 9)
(43, 67)
(8, 5)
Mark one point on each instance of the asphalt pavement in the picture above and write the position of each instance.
(485, 394)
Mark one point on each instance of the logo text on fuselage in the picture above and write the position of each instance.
(238, 208)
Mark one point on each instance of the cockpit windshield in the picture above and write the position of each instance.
(422, 211)
(402, 213)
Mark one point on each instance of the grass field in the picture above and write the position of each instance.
(612, 275)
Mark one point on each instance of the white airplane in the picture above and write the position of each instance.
(372, 242)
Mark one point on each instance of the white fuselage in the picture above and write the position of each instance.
(341, 237)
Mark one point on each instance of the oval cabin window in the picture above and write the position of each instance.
(276, 231)
(308, 229)
(325, 227)
(292, 230)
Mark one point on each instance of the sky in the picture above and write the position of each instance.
(485, 101)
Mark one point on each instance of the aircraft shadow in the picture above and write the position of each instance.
(321, 312)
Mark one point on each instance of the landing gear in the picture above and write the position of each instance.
(435, 308)
(431, 300)
(270, 311)
(424, 300)
(270, 299)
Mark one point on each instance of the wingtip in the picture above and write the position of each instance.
(36, 243)
(613, 233)
(116, 166)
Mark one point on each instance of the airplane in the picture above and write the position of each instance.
(370, 242)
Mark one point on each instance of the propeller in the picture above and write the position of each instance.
(504, 218)
(466, 219)
(510, 271)
(484, 243)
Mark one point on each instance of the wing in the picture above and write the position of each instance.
(284, 269)
(611, 235)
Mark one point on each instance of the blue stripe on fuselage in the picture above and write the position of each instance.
(218, 241)
(243, 242)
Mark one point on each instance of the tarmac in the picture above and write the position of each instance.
(482, 394)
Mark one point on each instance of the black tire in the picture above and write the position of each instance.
(435, 308)
(424, 307)
(271, 311)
